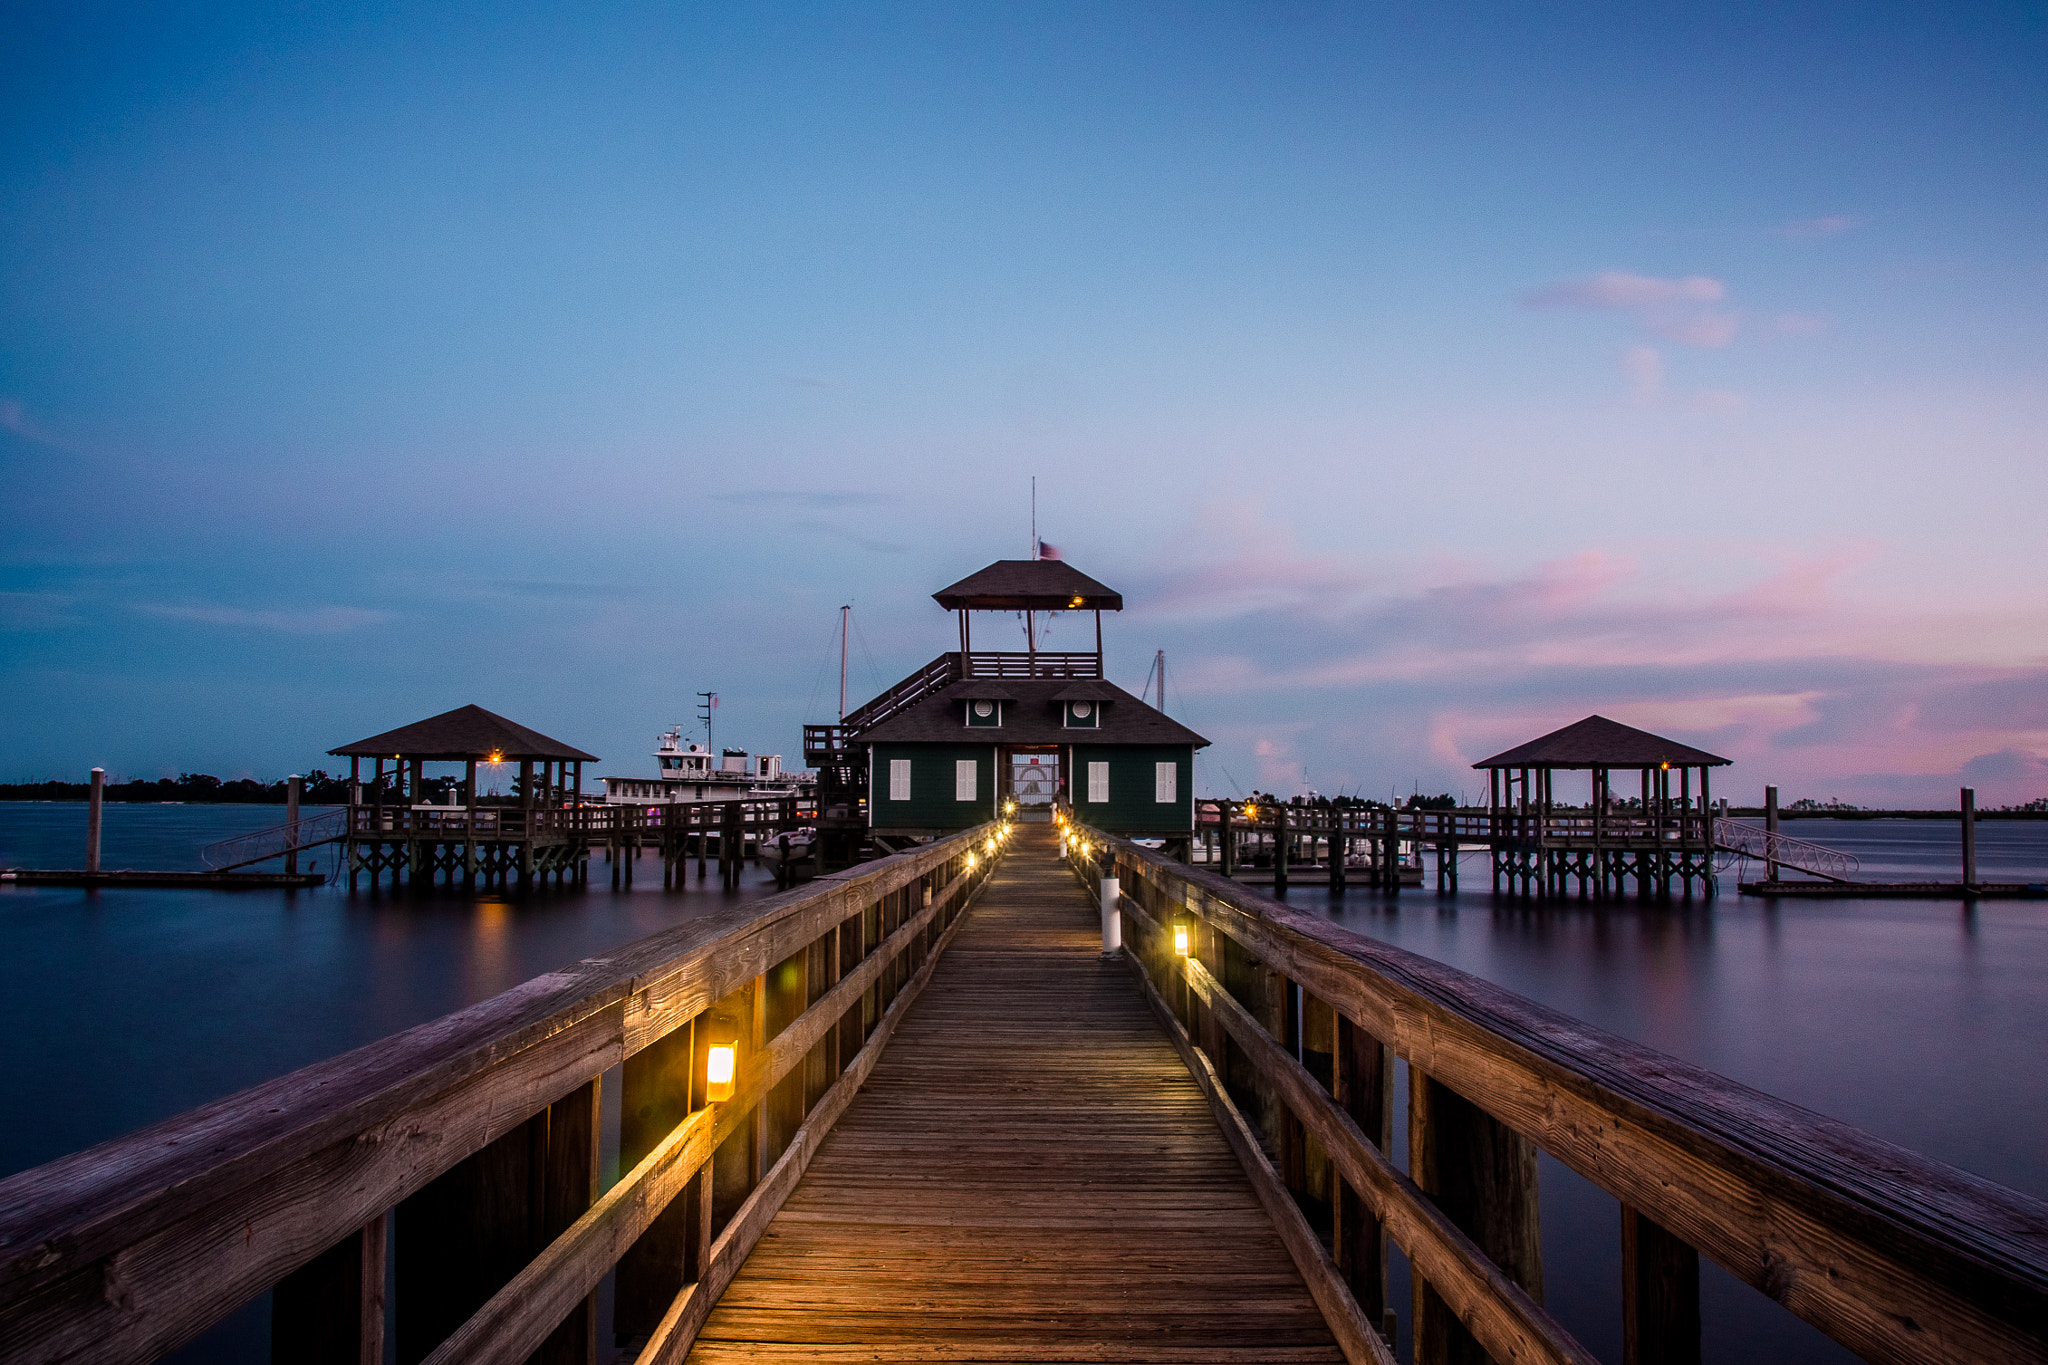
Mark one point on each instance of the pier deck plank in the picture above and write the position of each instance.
(1029, 1175)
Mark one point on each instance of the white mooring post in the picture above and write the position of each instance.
(92, 820)
(1112, 923)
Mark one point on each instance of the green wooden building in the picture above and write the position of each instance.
(977, 730)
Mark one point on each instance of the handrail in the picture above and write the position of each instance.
(1769, 846)
(260, 846)
(1896, 1256)
(940, 672)
(126, 1250)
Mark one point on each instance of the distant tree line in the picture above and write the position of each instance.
(191, 788)
(205, 789)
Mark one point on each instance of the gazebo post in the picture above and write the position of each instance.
(526, 823)
(469, 825)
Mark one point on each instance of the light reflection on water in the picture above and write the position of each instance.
(1921, 1021)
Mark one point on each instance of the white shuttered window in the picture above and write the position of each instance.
(899, 779)
(1098, 782)
(1166, 783)
(966, 775)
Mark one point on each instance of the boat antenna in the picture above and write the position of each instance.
(844, 613)
(704, 710)
(1034, 517)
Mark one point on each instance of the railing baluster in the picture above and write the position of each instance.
(657, 1092)
(1660, 1295)
(1482, 1174)
(330, 1311)
(1364, 1087)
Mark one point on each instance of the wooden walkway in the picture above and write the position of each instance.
(1029, 1175)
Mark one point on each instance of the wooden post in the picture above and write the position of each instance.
(292, 787)
(469, 824)
(1482, 1174)
(568, 1186)
(526, 822)
(1969, 835)
(1660, 1295)
(92, 819)
(1363, 1084)
(330, 1311)
(1770, 832)
(462, 1237)
(656, 1093)
(1279, 849)
(786, 996)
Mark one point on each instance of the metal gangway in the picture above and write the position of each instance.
(1772, 848)
(293, 836)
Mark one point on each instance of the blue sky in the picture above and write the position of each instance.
(1424, 377)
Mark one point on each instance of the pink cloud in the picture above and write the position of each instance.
(1622, 289)
(1707, 330)
(1644, 366)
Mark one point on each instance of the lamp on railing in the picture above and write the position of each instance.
(1180, 939)
(721, 1060)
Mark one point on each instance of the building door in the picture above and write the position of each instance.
(1034, 777)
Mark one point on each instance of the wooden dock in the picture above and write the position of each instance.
(1029, 1174)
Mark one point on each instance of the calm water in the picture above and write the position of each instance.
(1921, 1021)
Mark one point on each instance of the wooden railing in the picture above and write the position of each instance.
(1291, 1025)
(470, 1144)
(595, 821)
(1011, 664)
(1476, 827)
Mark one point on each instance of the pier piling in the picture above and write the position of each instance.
(92, 819)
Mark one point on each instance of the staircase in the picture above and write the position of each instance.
(1816, 860)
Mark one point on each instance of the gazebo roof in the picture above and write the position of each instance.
(467, 732)
(1597, 742)
(1029, 585)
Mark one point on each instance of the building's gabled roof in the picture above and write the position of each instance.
(1029, 585)
(1597, 742)
(1090, 689)
(468, 732)
(1033, 718)
(981, 689)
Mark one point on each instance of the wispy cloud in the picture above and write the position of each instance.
(15, 419)
(1818, 229)
(1621, 289)
(1680, 310)
(34, 611)
(810, 500)
(292, 621)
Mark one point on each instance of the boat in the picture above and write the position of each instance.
(687, 772)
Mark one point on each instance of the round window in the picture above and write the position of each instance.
(984, 709)
(1082, 710)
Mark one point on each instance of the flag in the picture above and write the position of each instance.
(1046, 551)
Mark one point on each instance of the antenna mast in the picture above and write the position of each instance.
(845, 613)
(1034, 518)
(1161, 665)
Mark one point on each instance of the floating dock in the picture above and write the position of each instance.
(1901, 890)
(248, 881)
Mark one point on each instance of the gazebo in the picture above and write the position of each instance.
(418, 838)
(1668, 835)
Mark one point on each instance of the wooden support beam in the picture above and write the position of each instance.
(657, 1093)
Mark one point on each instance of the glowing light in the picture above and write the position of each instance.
(1075, 603)
(1180, 940)
(1251, 812)
(970, 860)
(497, 756)
(721, 1068)
(991, 846)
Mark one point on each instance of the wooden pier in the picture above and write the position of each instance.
(1029, 1174)
(1022, 1174)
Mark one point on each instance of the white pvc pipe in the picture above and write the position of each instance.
(1112, 922)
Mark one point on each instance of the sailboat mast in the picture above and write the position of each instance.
(844, 613)
(1162, 682)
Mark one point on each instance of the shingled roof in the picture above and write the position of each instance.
(1597, 742)
(1029, 585)
(466, 732)
(1033, 718)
